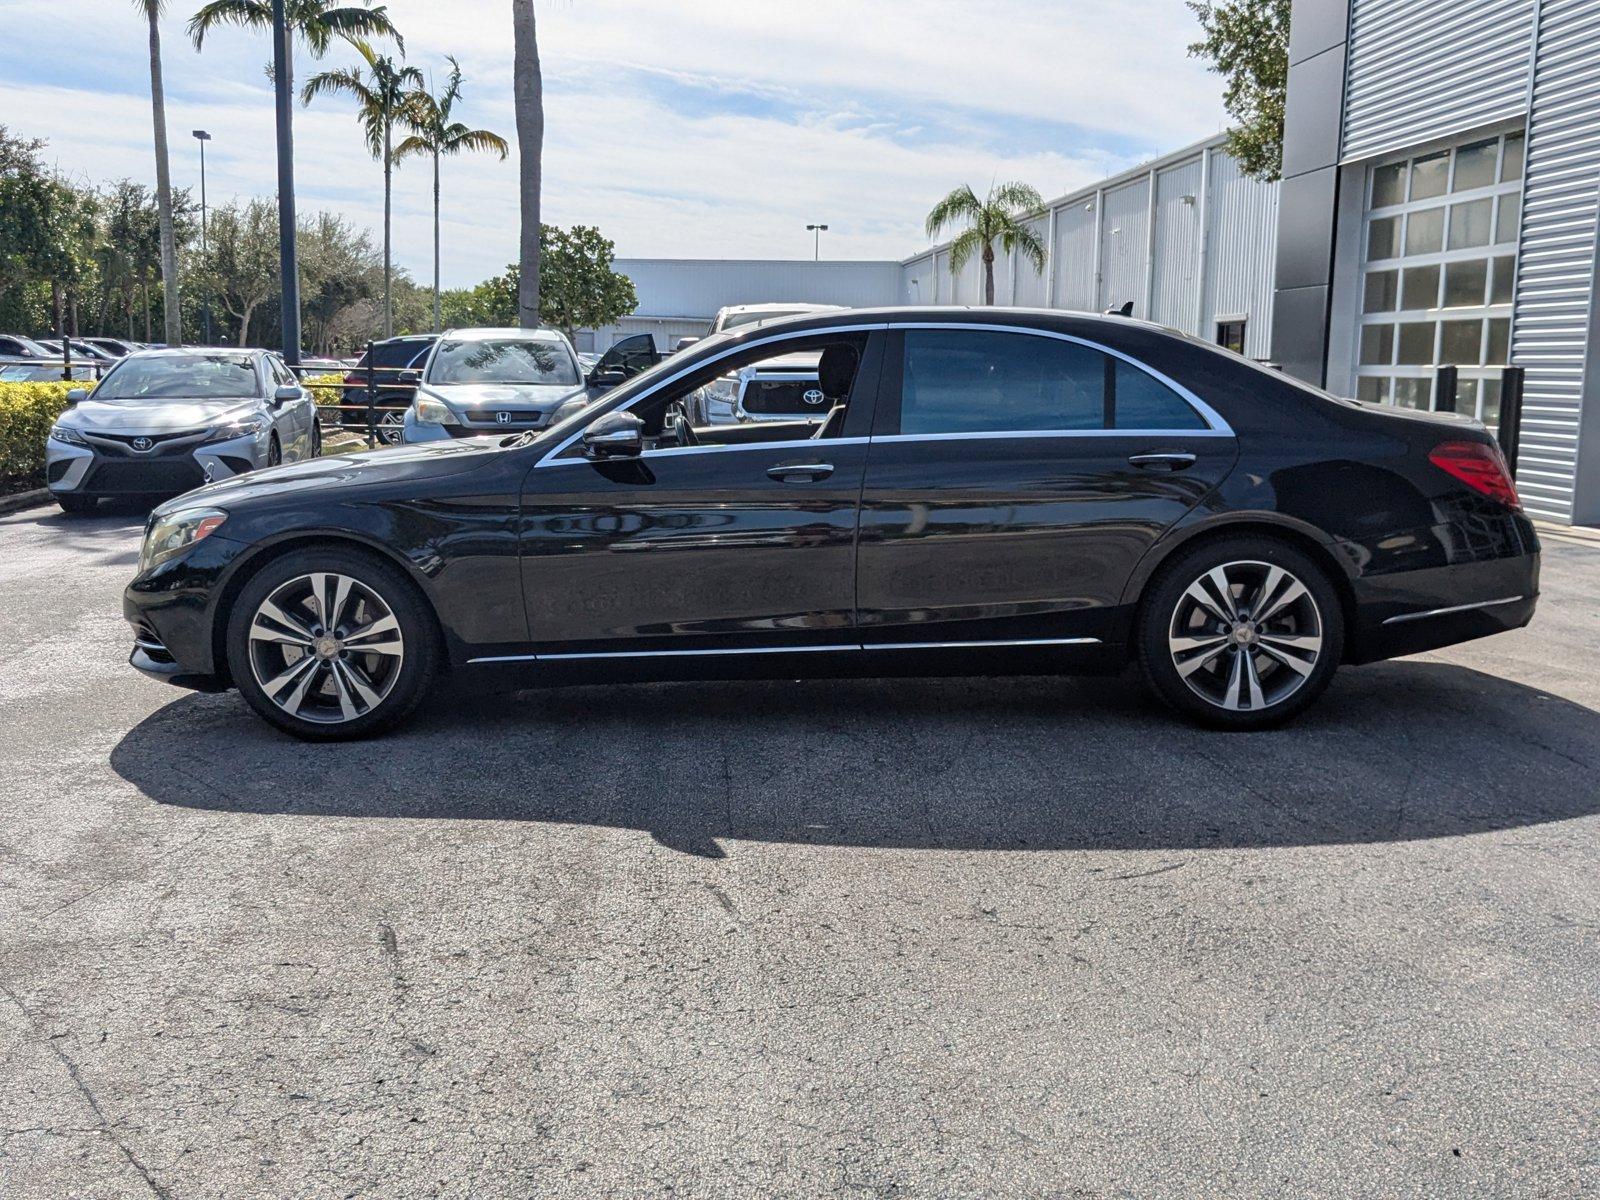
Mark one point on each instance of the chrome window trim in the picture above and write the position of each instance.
(809, 649)
(786, 444)
(1216, 425)
(1454, 608)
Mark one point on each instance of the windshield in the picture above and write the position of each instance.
(503, 360)
(196, 376)
(733, 320)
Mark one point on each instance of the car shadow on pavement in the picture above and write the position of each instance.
(1398, 751)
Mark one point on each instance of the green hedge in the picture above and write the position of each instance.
(27, 410)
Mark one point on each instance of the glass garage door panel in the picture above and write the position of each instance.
(1439, 242)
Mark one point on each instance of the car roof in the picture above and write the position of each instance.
(482, 334)
(181, 351)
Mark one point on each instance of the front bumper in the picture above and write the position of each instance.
(107, 470)
(172, 609)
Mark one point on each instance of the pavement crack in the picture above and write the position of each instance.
(105, 1127)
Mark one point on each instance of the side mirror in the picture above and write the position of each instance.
(615, 435)
(286, 394)
(77, 394)
(683, 344)
(410, 378)
(607, 377)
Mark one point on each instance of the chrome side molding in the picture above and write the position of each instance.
(1457, 608)
(508, 658)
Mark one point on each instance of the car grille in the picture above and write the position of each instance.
(150, 476)
(787, 396)
(150, 445)
(486, 422)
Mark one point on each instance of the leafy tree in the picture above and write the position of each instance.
(25, 199)
(316, 22)
(577, 287)
(492, 303)
(435, 134)
(527, 89)
(1247, 42)
(240, 266)
(172, 308)
(1000, 217)
(383, 95)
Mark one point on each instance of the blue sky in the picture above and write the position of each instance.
(718, 129)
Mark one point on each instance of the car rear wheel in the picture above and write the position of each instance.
(330, 644)
(75, 504)
(1240, 633)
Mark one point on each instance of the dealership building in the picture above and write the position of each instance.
(1438, 209)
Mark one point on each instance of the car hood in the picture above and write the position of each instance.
(163, 416)
(503, 397)
(344, 472)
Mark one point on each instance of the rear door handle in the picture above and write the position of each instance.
(1163, 460)
(800, 472)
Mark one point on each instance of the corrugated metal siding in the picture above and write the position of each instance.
(1241, 253)
(1031, 284)
(1425, 69)
(1552, 319)
(1074, 262)
(917, 281)
(669, 287)
(1124, 247)
(1177, 246)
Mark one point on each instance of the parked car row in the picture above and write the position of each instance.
(989, 491)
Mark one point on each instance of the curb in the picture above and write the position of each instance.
(22, 500)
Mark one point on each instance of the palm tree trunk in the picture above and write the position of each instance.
(173, 309)
(436, 328)
(144, 293)
(388, 167)
(988, 274)
(528, 93)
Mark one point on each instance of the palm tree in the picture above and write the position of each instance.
(527, 87)
(435, 134)
(318, 22)
(172, 309)
(998, 218)
(383, 95)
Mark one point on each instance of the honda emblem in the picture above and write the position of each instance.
(503, 418)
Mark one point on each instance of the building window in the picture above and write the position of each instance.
(1438, 252)
(1230, 335)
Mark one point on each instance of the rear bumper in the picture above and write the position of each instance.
(1412, 611)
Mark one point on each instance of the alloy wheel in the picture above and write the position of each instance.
(326, 648)
(1245, 636)
(392, 428)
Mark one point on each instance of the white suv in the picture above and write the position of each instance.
(780, 389)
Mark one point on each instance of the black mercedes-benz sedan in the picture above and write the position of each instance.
(983, 491)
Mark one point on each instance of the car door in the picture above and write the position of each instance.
(1016, 477)
(630, 356)
(293, 418)
(740, 547)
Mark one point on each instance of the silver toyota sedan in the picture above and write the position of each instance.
(164, 421)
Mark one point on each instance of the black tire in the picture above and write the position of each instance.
(76, 505)
(418, 633)
(274, 452)
(316, 439)
(1266, 688)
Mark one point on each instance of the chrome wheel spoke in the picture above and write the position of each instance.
(1199, 652)
(1277, 604)
(1306, 643)
(1244, 684)
(379, 637)
(342, 688)
(356, 680)
(272, 624)
(1299, 666)
(1218, 609)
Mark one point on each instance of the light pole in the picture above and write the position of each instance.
(201, 136)
(288, 272)
(816, 241)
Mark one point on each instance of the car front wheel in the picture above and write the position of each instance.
(328, 644)
(73, 503)
(1240, 633)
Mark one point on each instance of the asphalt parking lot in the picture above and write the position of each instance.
(893, 939)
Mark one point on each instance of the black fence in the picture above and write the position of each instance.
(372, 399)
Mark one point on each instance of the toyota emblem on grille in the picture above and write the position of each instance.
(813, 396)
(503, 418)
(142, 443)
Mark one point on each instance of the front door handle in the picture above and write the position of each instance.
(1163, 460)
(800, 472)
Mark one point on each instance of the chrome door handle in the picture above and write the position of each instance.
(802, 472)
(1164, 460)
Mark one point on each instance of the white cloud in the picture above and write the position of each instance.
(714, 129)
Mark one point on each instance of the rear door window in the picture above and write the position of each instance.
(971, 381)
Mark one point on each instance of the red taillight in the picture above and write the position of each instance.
(1480, 466)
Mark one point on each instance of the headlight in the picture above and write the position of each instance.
(63, 433)
(429, 411)
(168, 536)
(723, 391)
(249, 426)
